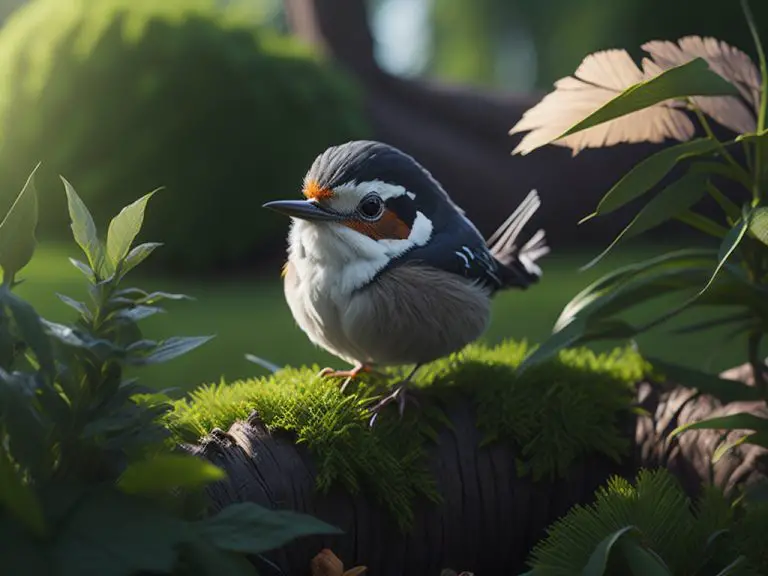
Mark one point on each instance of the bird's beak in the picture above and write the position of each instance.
(303, 209)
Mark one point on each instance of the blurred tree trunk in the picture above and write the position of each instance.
(461, 135)
(490, 516)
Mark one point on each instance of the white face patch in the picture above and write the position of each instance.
(347, 196)
(340, 259)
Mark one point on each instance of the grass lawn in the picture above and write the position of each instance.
(251, 316)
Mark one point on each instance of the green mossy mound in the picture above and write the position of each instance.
(551, 415)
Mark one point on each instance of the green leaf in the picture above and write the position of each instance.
(138, 313)
(729, 245)
(726, 447)
(725, 390)
(643, 562)
(252, 529)
(598, 560)
(26, 430)
(758, 225)
(84, 231)
(693, 78)
(112, 534)
(746, 318)
(170, 349)
(124, 228)
(675, 199)
(31, 330)
(703, 224)
(758, 438)
(165, 472)
(579, 331)
(79, 307)
(84, 268)
(740, 421)
(137, 255)
(648, 173)
(731, 210)
(642, 288)
(619, 288)
(19, 498)
(17, 230)
(155, 297)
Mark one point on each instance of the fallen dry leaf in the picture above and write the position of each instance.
(725, 60)
(326, 563)
(599, 78)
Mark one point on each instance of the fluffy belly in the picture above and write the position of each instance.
(409, 315)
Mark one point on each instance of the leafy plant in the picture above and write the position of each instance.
(89, 481)
(611, 100)
(651, 527)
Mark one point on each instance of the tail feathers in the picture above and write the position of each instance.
(519, 266)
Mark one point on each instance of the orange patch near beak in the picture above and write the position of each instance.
(388, 227)
(313, 191)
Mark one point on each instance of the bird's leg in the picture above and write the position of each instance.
(348, 375)
(399, 394)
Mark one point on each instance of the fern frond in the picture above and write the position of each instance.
(683, 535)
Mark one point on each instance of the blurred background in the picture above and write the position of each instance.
(225, 103)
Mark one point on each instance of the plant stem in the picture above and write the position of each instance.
(8, 280)
(722, 149)
(702, 223)
(758, 366)
(732, 211)
(763, 66)
(747, 154)
(758, 170)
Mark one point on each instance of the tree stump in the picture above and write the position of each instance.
(490, 516)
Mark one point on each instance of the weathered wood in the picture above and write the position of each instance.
(490, 516)
(689, 456)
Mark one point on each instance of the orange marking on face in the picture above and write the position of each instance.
(388, 227)
(313, 191)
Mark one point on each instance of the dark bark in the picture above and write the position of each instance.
(490, 517)
(461, 135)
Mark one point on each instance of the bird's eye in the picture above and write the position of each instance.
(370, 207)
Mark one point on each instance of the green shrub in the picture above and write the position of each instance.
(89, 482)
(126, 95)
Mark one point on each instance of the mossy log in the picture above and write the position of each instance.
(490, 515)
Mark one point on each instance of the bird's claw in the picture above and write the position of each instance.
(348, 375)
(400, 395)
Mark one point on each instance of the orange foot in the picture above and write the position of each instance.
(348, 375)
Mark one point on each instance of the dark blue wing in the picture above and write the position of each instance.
(460, 251)
(499, 263)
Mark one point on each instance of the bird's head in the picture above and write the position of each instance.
(368, 201)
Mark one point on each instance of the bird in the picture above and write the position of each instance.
(384, 269)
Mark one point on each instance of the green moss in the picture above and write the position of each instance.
(552, 414)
